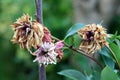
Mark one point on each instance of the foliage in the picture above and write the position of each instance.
(16, 63)
(73, 74)
(74, 29)
(110, 56)
(108, 74)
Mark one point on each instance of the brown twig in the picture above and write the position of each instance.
(42, 69)
(80, 52)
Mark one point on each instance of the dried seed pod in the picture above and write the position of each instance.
(93, 38)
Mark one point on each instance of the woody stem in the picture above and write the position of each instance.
(80, 52)
(39, 17)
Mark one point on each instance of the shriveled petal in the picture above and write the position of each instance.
(47, 35)
(59, 45)
(91, 43)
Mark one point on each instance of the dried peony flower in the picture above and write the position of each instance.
(93, 38)
(47, 54)
(27, 33)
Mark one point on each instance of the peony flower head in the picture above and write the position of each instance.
(93, 38)
(27, 33)
(46, 54)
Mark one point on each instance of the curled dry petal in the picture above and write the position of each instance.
(46, 54)
(59, 45)
(60, 53)
(93, 38)
(27, 33)
(47, 35)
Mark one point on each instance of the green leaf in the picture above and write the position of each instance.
(116, 52)
(74, 29)
(105, 52)
(108, 74)
(95, 76)
(113, 36)
(76, 40)
(69, 40)
(117, 42)
(108, 61)
(107, 57)
(73, 74)
(81, 61)
(118, 37)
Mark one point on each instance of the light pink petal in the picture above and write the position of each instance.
(59, 45)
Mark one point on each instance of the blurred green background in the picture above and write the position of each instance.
(16, 63)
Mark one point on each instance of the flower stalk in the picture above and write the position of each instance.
(81, 52)
(39, 17)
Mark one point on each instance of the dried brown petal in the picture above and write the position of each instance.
(94, 38)
(27, 33)
(38, 33)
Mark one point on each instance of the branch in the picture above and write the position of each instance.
(39, 17)
(39, 11)
(80, 52)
